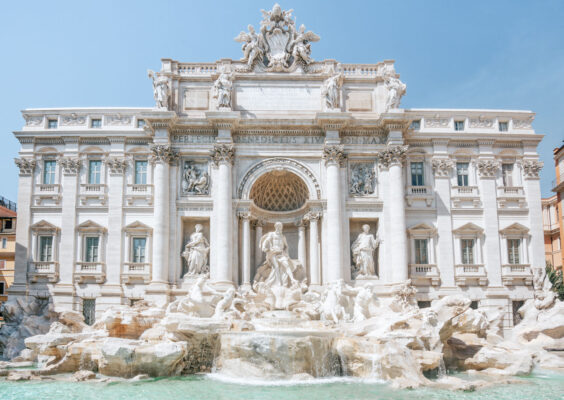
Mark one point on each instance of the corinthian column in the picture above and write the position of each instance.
(393, 158)
(246, 253)
(334, 159)
(314, 273)
(162, 157)
(221, 270)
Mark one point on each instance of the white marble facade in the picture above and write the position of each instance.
(109, 197)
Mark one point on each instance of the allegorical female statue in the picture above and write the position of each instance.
(196, 252)
(363, 253)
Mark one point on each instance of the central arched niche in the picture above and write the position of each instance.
(279, 191)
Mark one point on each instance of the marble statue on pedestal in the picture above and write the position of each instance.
(222, 90)
(161, 90)
(196, 253)
(363, 253)
(253, 46)
(330, 91)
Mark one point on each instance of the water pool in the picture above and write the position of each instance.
(541, 385)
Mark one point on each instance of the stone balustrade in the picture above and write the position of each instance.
(466, 274)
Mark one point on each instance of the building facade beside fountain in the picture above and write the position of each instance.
(122, 204)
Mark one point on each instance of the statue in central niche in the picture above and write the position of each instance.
(274, 245)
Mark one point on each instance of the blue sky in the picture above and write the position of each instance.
(451, 54)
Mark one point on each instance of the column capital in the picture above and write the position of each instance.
(223, 153)
(258, 223)
(244, 215)
(312, 216)
(487, 168)
(117, 165)
(532, 168)
(70, 166)
(334, 154)
(442, 167)
(391, 155)
(26, 165)
(163, 153)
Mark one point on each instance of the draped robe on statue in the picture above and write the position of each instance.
(276, 248)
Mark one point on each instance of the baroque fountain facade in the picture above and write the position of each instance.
(280, 217)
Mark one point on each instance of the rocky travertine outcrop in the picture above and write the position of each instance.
(341, 330)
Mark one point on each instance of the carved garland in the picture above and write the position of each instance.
(532, 168)
(334, 154)
(70, 166)
(223, 153)
(442, 167)
(163, 153)
(392, 155)
(26, 165)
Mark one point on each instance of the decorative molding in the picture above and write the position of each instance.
(312, 216)
(163, 153)
(118, 119)
(522, 124)
(481, 123)
(442, 167)
(70, 166)
(116, 165)
(73, 119)
(436, 122)
(487, 168)
(532, 168)
(26, 165)
(362, 179)
(334, 154)
(223, 153)
(32, 120)
(392, 155)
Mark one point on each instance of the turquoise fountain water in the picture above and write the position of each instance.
(541, 385)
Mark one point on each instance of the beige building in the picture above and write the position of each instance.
(7, 245)
(551, 224)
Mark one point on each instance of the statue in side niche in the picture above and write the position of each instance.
(196, 253)
(363, 253)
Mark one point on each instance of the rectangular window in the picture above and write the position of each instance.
(503, 126)
(467, 249)
(140, 123)
(89, 311)
(2, 288)
(507, 174)
(94, 169)
(96, 123)
(4, 243)
(45, 248)
(139, 245)
(421, 256)
(417, 174)
(8, 224)
(52, 124)
(2, 264)
(416, 125)
(91, 247)
(458, 125)
(140, 172)
(49, 172)
(513, 247)
(462, 174)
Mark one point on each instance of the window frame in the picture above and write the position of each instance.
(420, 257)
(507, 175)
(136, 174)
(459, 175)
(95, 256)
(503, 123)
(457, 123)
(51, 173)
(94, 173)
(52, 123)
(419, 174)
(4, 243)
(3, 263)
(40, 251)
(513, 254)
(464, 254)
(2, 288)
(96, 123)
(133, 255)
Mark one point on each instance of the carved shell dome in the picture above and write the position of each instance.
(279, 190)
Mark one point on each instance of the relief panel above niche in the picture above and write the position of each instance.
(285, 97)
(359, 101)
(196, 99)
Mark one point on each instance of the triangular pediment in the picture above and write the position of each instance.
(90, 225)
(138, 226)
(44, 226)
(514, 229)
(469, 228)
(422, 229)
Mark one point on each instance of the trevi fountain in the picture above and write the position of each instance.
(294, 320)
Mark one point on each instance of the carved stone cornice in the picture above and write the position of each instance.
(392, 155)
(26, 165)
(487, 168)
(334, 154)
(532, 168)
(442, 167)
(70, 166)
(333, 121)
(116, 165)
(163, 153)
(223, 153)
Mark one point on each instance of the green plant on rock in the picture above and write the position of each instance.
(556, 279)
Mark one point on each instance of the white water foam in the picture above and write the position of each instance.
(291, 382)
